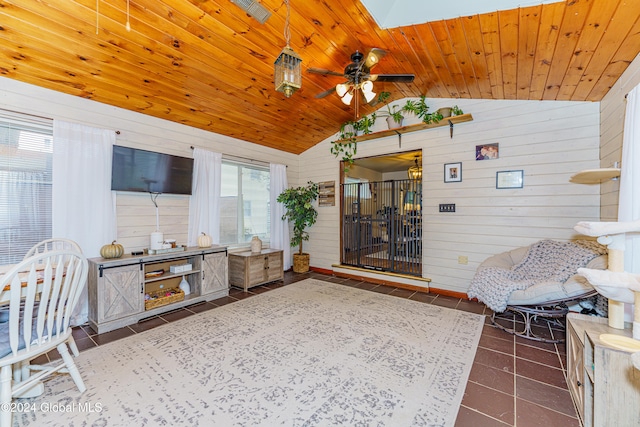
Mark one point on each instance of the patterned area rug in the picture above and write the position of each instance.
(312, 353)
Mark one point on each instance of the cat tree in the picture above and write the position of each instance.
(614, 283)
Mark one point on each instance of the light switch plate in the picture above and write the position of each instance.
(447, 207)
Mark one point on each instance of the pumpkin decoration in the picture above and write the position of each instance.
(204, 241)
(114, 250)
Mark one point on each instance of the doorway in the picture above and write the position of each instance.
(381, 214)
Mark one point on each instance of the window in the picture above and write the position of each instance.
(364, 189)
(26, 155)
(245, 210)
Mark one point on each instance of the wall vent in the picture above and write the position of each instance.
(254, 9)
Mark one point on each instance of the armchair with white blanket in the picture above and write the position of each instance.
(537, 281)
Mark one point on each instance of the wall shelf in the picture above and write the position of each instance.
(595, 176)
(447, 121)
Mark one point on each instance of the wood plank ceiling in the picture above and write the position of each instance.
(207, 64)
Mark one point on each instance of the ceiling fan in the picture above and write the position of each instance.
(358, 76)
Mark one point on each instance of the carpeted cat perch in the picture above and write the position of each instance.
(614, 283)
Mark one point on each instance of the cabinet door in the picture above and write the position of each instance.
(274, 266)
(119, 293)
(575, 368)
(214, 272)
(257, 269)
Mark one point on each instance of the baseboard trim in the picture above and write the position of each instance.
(448, 293)
(403, 281)
(383, 281)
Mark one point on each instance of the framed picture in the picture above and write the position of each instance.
(453, 172)
(487, 151)
(510, 179)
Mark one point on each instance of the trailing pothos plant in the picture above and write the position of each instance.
(346, 145)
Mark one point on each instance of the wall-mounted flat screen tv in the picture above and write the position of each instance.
(150, 172)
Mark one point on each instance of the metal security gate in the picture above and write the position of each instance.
(382, 226)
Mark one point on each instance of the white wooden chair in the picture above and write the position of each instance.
(44, 289)
(55, 244)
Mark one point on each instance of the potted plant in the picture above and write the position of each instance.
(450, 111)
(300, 210)
(421, 110)
(394, 112)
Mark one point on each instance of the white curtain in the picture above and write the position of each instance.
(629, 198)
(83, 205)
(279, 228)
(204, 204)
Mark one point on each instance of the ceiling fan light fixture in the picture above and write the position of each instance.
(341, 89)
(367, 91)
(346, 99)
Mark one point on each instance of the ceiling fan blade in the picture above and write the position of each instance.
(323, 71)
(374, 56)
(325, 93)
(397, 78)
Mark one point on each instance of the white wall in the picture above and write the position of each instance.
(612, 112)
(550, 141)
(136, 212)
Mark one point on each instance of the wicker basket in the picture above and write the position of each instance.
(300, 263)
(163, 297)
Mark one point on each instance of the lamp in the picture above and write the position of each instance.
(415, 171)
(287, 73)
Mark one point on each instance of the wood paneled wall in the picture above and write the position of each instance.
(135, 211)
(549, 140)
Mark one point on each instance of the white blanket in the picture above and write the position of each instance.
(546, 261)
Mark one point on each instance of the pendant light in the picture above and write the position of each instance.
(415, 171)
(287, 72)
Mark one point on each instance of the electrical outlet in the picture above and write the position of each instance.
(463, 260)
(447, 207)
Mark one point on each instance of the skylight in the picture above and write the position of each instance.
(398, 13)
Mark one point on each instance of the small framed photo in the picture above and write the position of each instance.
(510, 179)
(453, 172)
(487, 151)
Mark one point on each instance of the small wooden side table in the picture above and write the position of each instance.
(249, 269)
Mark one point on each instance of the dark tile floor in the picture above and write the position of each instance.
(513, 381)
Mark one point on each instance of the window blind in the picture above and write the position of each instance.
(26, 155)
(245, 207)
